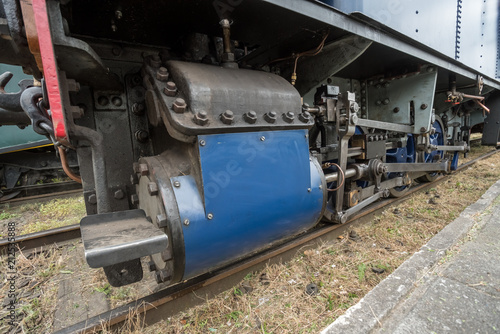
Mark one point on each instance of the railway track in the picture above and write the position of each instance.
(160, 304)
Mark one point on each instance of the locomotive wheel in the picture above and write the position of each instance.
(436, 139)
(399, 191)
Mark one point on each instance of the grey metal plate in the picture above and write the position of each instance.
(116, 237)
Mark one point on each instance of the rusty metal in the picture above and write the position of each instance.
(65, 166)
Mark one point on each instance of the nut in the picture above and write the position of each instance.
(162, 74)
(179, 105)
(152, 189)
(92, 199)
(143, 169)
(288, 116)
(119, 194)
(141, 136)
(152, 266)
(155, 61)
(138, 109)
(227, 117)
(201, 117)
(270, 117)
(305, 117)
(134, 179)
(423, 106)
(161, 220)
(250, 117)
(170, 89)
(177, 184)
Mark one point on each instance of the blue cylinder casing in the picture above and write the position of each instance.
(258, 188)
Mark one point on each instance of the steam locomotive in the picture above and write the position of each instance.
(207, 131)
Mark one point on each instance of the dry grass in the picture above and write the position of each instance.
(37, 217)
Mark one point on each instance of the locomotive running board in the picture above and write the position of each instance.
(118, 237)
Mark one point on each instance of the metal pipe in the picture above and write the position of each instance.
(66, 168)
(95, 140)
(227, 35)
(351, 172)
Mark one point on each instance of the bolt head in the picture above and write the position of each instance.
(152, 189)
(201, 118)
(305, 117)
(422, 129)
(177, 184)
(161, 220)
(423, 106)
(288, 117)
(119, 194)
(395, 110)
(92, 199)
(151, 266)
(143, 169)
(270, 117)
(202, 143)
(250, 117)
(262, 138)
(227, 117)
(138, 109)
(210, 216)
(170, 89)
(186, 222)
(179, 106)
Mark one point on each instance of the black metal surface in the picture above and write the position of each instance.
(124, 273)
(491, 131)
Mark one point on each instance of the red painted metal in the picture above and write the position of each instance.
(50, 69)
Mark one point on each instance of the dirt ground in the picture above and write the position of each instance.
(300, 296)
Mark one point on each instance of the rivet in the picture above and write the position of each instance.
(210, 216)
(309, 190)
(202, 143)
(177, 184)
(186, 222)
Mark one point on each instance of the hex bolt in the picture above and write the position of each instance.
(288, 117)
(119, 194)
(158, 277)
(201, 117)
(141, 136)
(227, 117)
(161, 220)
(117, 101)
(423, 106)
(270, 117)
(134, 199)
(134, 179)
(177, 184)
(138, 109)
(250, 117)
(92, 199)
(143, 169)
(186, 222)
(210, 216)
(165, 275)
(202, 143)
(166, 255)
(152, 189)
(170, 89)
(262, 138)
(155, 61)
(135, 167)
(151, 266)
(395, 110)
(102, 100)
(305, 117)
(179, 105)
(162, 74)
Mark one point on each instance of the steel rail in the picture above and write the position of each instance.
(158, 305)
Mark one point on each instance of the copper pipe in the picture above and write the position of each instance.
(65, 166)
(483, 106)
